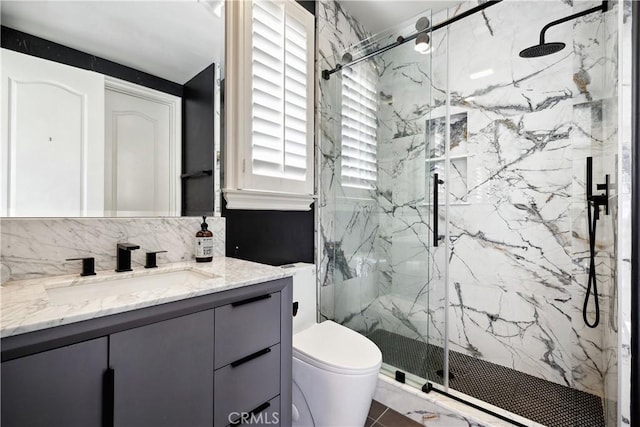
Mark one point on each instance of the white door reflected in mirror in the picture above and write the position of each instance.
(52, 139)
(142, 151)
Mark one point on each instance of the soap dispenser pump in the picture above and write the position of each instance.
(204, 243)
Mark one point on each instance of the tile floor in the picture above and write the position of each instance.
(547, 403)
(382, 416)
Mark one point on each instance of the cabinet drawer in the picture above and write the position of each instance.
(246, 386)
(265, 415)
(246, 326)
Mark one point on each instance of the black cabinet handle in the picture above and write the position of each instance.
(247, 416)
(108, 403)
(250, 300)
(250, 357)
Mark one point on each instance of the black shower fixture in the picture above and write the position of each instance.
(594, 202)
(544, 48)
(422, 24)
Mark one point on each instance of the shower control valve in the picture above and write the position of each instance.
(597, 199)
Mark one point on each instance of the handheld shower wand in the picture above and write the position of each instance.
(594, 201)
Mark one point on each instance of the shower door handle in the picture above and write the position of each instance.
(436, 183)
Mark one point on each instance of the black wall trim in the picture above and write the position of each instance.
(198, 149)
(310, 5)
(635, 217)
(35, 46)
(269, 237)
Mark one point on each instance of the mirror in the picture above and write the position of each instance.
(111, 108)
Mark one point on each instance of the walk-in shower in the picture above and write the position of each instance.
(452, 191)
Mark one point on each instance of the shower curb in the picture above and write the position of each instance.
(435, 409)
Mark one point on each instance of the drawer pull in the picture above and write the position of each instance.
(247, 416)
(108, 388)
(250, 357)
(250, 300)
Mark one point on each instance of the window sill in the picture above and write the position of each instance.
(267, 200)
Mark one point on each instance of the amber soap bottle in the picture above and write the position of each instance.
(204, 243)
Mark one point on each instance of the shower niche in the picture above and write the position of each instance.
(457, 155)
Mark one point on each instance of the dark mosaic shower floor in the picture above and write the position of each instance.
(539, 400)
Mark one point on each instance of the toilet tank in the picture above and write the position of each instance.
(304, 293)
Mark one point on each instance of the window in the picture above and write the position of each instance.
(359, 103)
(274, 127)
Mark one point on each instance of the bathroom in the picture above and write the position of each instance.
(435, 190)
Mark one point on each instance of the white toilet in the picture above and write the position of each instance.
(335, 370)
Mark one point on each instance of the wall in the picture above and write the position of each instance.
(38, 247)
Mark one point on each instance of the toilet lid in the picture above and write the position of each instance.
(336, 348)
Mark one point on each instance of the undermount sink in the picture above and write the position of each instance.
(114, 286)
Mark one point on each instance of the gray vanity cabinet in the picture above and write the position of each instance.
(200, 361)
(55, 388)
(162, 373)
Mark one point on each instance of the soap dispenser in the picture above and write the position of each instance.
(204, 243)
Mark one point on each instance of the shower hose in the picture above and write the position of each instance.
(591, 283)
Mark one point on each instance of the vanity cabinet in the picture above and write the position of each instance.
(161, 373)
(60, 387)
(247, 375)
(201, 361)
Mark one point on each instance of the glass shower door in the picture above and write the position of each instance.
(381, 237)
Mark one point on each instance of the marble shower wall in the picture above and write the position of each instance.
(518, 243)
(38, 247)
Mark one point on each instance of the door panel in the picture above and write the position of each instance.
(61, 387)
(141, 158)
(53, 138)
(163, 373)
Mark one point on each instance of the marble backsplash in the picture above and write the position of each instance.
(38, 247)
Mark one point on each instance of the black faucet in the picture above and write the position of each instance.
(88, 265)
(124, 256)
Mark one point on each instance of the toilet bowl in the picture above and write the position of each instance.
(335, 369)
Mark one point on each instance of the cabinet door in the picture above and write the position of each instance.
(61, 387)
(163, 373)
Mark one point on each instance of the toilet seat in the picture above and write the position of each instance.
(335, 348)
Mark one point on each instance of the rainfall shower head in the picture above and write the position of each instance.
(542, 50)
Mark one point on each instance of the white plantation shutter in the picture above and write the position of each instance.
(279, 93)
(359, 147)
(269, 105)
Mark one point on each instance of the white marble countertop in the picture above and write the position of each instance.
(26, 305)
